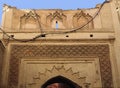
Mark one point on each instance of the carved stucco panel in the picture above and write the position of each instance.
(56, 51)
(58, 17)
(30, 20)
(81, 18)
(75, 69)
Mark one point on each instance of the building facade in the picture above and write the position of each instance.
(55, 48)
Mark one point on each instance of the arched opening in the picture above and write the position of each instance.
(60, 82)
(56, 26)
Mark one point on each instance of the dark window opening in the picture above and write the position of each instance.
(56, 26)
(60, 82)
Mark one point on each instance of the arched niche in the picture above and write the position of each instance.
(29, 21)
(56, 18)
(81, 19)
(60, 82)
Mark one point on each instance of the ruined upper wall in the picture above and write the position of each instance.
(21, 20)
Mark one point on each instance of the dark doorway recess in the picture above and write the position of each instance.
(60, 82)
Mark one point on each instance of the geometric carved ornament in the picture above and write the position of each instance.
(60, 51)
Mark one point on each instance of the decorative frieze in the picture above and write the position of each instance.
(60, 51)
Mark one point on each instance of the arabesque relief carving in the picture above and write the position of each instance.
(55, 51)
(29, 20)
(81, 18)
(58, 17)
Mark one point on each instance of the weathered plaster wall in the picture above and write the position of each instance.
(1, 59)
(115, 6)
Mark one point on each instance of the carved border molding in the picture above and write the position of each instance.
(60, 51)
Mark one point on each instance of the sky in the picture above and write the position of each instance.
(49, 4)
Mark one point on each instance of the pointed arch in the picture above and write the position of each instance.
(60, 80)
(56, 16)
(81, 18)
(29, 21)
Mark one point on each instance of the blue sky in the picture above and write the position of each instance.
(49, 4)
